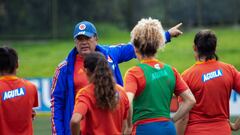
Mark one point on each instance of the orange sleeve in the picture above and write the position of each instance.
(236, 79)
(126, 108)
(134, 80)
(81, 103)
(34, 92)
(126, 105)
(180, 85)
(124, 101)
(35, 104)
(80, 107)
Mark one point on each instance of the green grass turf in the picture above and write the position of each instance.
(40, 58)
(42, 125)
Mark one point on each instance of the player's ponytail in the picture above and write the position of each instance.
(101, 76)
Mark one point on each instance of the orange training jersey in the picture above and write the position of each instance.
(211, 83)
(17, 98)
(99, 121)
(80, 77)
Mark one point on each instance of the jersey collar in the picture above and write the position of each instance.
(149, 60)
(205, 62)
(8, 77)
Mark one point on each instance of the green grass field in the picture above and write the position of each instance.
(40, 58)
(42, 125)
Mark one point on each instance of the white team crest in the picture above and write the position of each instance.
(82, 26)
(157, 66)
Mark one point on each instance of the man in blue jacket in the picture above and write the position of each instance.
(70, 76)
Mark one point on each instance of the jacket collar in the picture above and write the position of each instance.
(102, 50)
(71, 59)
(72, 56)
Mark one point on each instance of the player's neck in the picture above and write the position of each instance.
(8, 74)
(148, 58)
(203, 59)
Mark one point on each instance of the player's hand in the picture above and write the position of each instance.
(236, 125)
(174, 31)
(33, 114)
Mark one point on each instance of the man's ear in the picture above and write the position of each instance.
(87, 72)
(17, 65)
(96, 37)
(195, 48)
(136, 50)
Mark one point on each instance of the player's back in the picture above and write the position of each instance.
(102, 121)
(17, 98)
(211, 83)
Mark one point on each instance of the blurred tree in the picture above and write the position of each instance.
(3, 16)
(199, 12)
(25, 17)
(236, 11)
(54, 6)
(56, 18)
(167, 7)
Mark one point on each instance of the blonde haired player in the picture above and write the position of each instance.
(151, 84)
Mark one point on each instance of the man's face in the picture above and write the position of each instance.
(85, 44)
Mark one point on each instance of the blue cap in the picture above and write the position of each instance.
(84, 28)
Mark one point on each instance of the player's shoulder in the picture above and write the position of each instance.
(87, 90)
(29, 84)
(227, 67)
(223, 64)
(165, 65)
(190, 70)
(134, 70)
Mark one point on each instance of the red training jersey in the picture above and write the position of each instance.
(17, 98)
(80, 77)
(101, 121)
(211, 83)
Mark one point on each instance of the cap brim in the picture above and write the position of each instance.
(84, 33)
